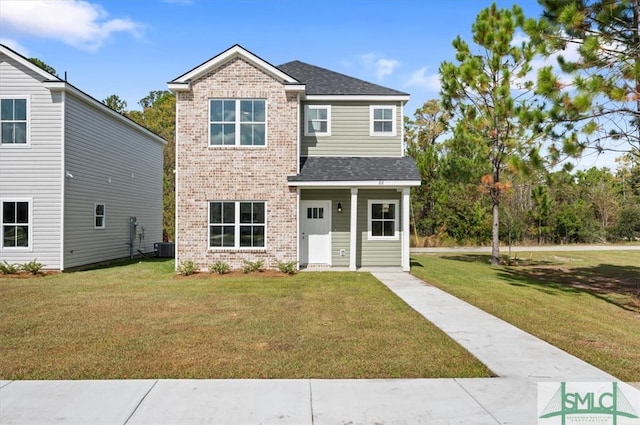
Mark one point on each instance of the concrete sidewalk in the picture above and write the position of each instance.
(520, 360)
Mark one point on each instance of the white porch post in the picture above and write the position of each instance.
(406, 261)
(353, 236)
(298, 228)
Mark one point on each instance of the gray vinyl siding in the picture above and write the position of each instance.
(377, 252)
(118, 166)
(339, 221)
(34, 172)
(350, 133)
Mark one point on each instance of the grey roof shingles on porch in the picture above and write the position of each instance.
(320, 81)
(332, 169)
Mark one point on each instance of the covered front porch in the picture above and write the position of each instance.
(354, 216)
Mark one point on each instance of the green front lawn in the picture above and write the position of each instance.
(140, 320)
(586, 303)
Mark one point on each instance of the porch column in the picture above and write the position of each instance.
(297, 228)
(353, 236)
(406, 260)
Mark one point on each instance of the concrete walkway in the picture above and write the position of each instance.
(520, 360)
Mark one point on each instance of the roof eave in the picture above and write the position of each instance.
(357, 97)
(178, 87)
(354, 183)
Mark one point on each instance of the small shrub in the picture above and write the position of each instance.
(32, 267)
(252, 266)
(219, 267)
(289, 267)
(187, 268)
(6, 268)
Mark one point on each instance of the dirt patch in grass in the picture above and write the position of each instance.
(619, 284)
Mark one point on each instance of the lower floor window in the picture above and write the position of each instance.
(15, 224)
(237, 224)
(383, 219)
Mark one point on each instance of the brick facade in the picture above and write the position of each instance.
(233, 173)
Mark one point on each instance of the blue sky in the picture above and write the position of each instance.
(131, 47)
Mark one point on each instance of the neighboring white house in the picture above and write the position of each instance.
(79, 182)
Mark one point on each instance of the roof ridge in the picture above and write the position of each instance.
(325, 81)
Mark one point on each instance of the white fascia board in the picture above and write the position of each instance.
(295, 87)
(233, 52)
(363, 183)
(55, 85)
(178, 87)
(378, 98)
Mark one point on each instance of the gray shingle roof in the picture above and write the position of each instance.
(331, 169)
(320, 81)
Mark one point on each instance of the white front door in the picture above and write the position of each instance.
(315, 232)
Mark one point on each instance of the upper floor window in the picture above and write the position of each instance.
(237, 122)
(383, 120)
(13, 120)
(317, 120)
(16, 223)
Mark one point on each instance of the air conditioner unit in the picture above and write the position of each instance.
(164, 249)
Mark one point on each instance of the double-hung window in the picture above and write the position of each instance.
(317, 120)
(237, 224)
(383, 120)
(15, 223)
(383, 219)
(237, 122)
(99, 215)
(13, 122)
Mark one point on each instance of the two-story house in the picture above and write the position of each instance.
(289, 162)
(79, 183)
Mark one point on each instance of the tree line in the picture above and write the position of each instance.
(521, 99)
(452, 206)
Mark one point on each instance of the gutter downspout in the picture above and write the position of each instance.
(63, 175)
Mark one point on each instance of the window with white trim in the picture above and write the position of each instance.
(383, 120)
(383, 219)
(15, 222)
(99, 214)
(13, 122)
(317, 120)
(237, 224)
(237, 122)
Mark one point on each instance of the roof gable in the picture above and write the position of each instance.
(236, 51)
(46, 76)
(321, 81)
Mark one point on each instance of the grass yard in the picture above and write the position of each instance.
(142, 321)
(587, 303)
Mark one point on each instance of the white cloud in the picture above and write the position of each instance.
(76, 22)
(14, 45)
(422, 80)
(385, 67)
(379, 65)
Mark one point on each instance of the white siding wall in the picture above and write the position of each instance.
(114, 164)
(34, 172)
